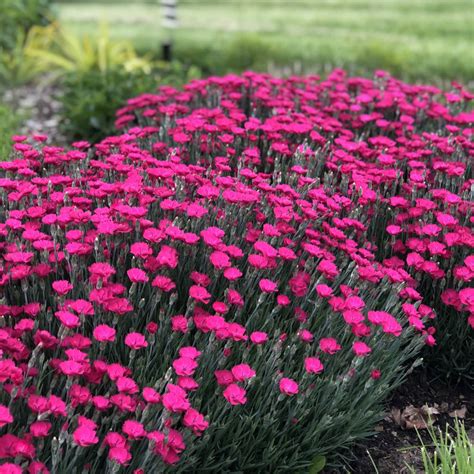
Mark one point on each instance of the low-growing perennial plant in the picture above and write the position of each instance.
(236, 282)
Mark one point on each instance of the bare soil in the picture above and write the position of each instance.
(393, 448)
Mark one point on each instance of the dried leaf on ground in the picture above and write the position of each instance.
(459, 413)
(413, 417)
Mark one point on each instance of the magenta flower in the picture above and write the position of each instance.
(141, 250)
(72, 368)
(120, 455)
(133, 429)
(195, 421)
(40, 429)
(259, 337)
(235, 395)
(104, 333)
(135, 341)
(220, 260)
(329, 345)
(199, 294)
(175, 402)
(242, 372)
(137, 276)
(313, 365)
(102, 270)
(164, 283)
(288, 386)
(185, 366)
(115, 440)
(62, 287)
(150, 395)
(361, 348)
(179, 323)
(85, 436)
(167, 257)
(268, 286)
(10, 468)
(190, 352)
(324, 291)
(224, 377)
(5, 416)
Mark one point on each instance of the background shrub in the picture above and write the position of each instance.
(90, 99)
(9, 123)
(18, 16)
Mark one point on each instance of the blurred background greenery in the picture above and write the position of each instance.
(416, 39)
(91, 56)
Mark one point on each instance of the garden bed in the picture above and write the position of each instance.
(239, 278)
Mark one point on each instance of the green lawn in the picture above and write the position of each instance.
(417, 39)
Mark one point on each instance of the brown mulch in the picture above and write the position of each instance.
(396, 444)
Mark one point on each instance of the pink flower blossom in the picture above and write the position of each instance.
(133, 429)
(329, 345)
(361, 349)
(40, 429)
(10, 468)
(62, 287)
(313, 365)
(242, 372)
(164, 283)
(268, 286)
(137, 276)
(324, 291)
(104, 333)
(135, 341)
(175, 402)
(185, 366)
(235, 395)
(259, 337)
(200, 294)
(120, 455)
(375, 374)
(5, 416)
(288, 386)
(85, 436)
(195, 421)
(150, 395)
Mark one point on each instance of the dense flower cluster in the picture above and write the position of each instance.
(236, 282)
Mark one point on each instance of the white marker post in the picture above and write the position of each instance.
(169, 23)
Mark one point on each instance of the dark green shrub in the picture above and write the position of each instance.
(18, 16)
(9, 123)
(90, 99)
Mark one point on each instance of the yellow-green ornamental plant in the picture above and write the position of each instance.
(59, 51)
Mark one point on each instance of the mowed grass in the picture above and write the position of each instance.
(416, 39)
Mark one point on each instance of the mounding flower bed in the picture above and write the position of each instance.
(237, 281)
